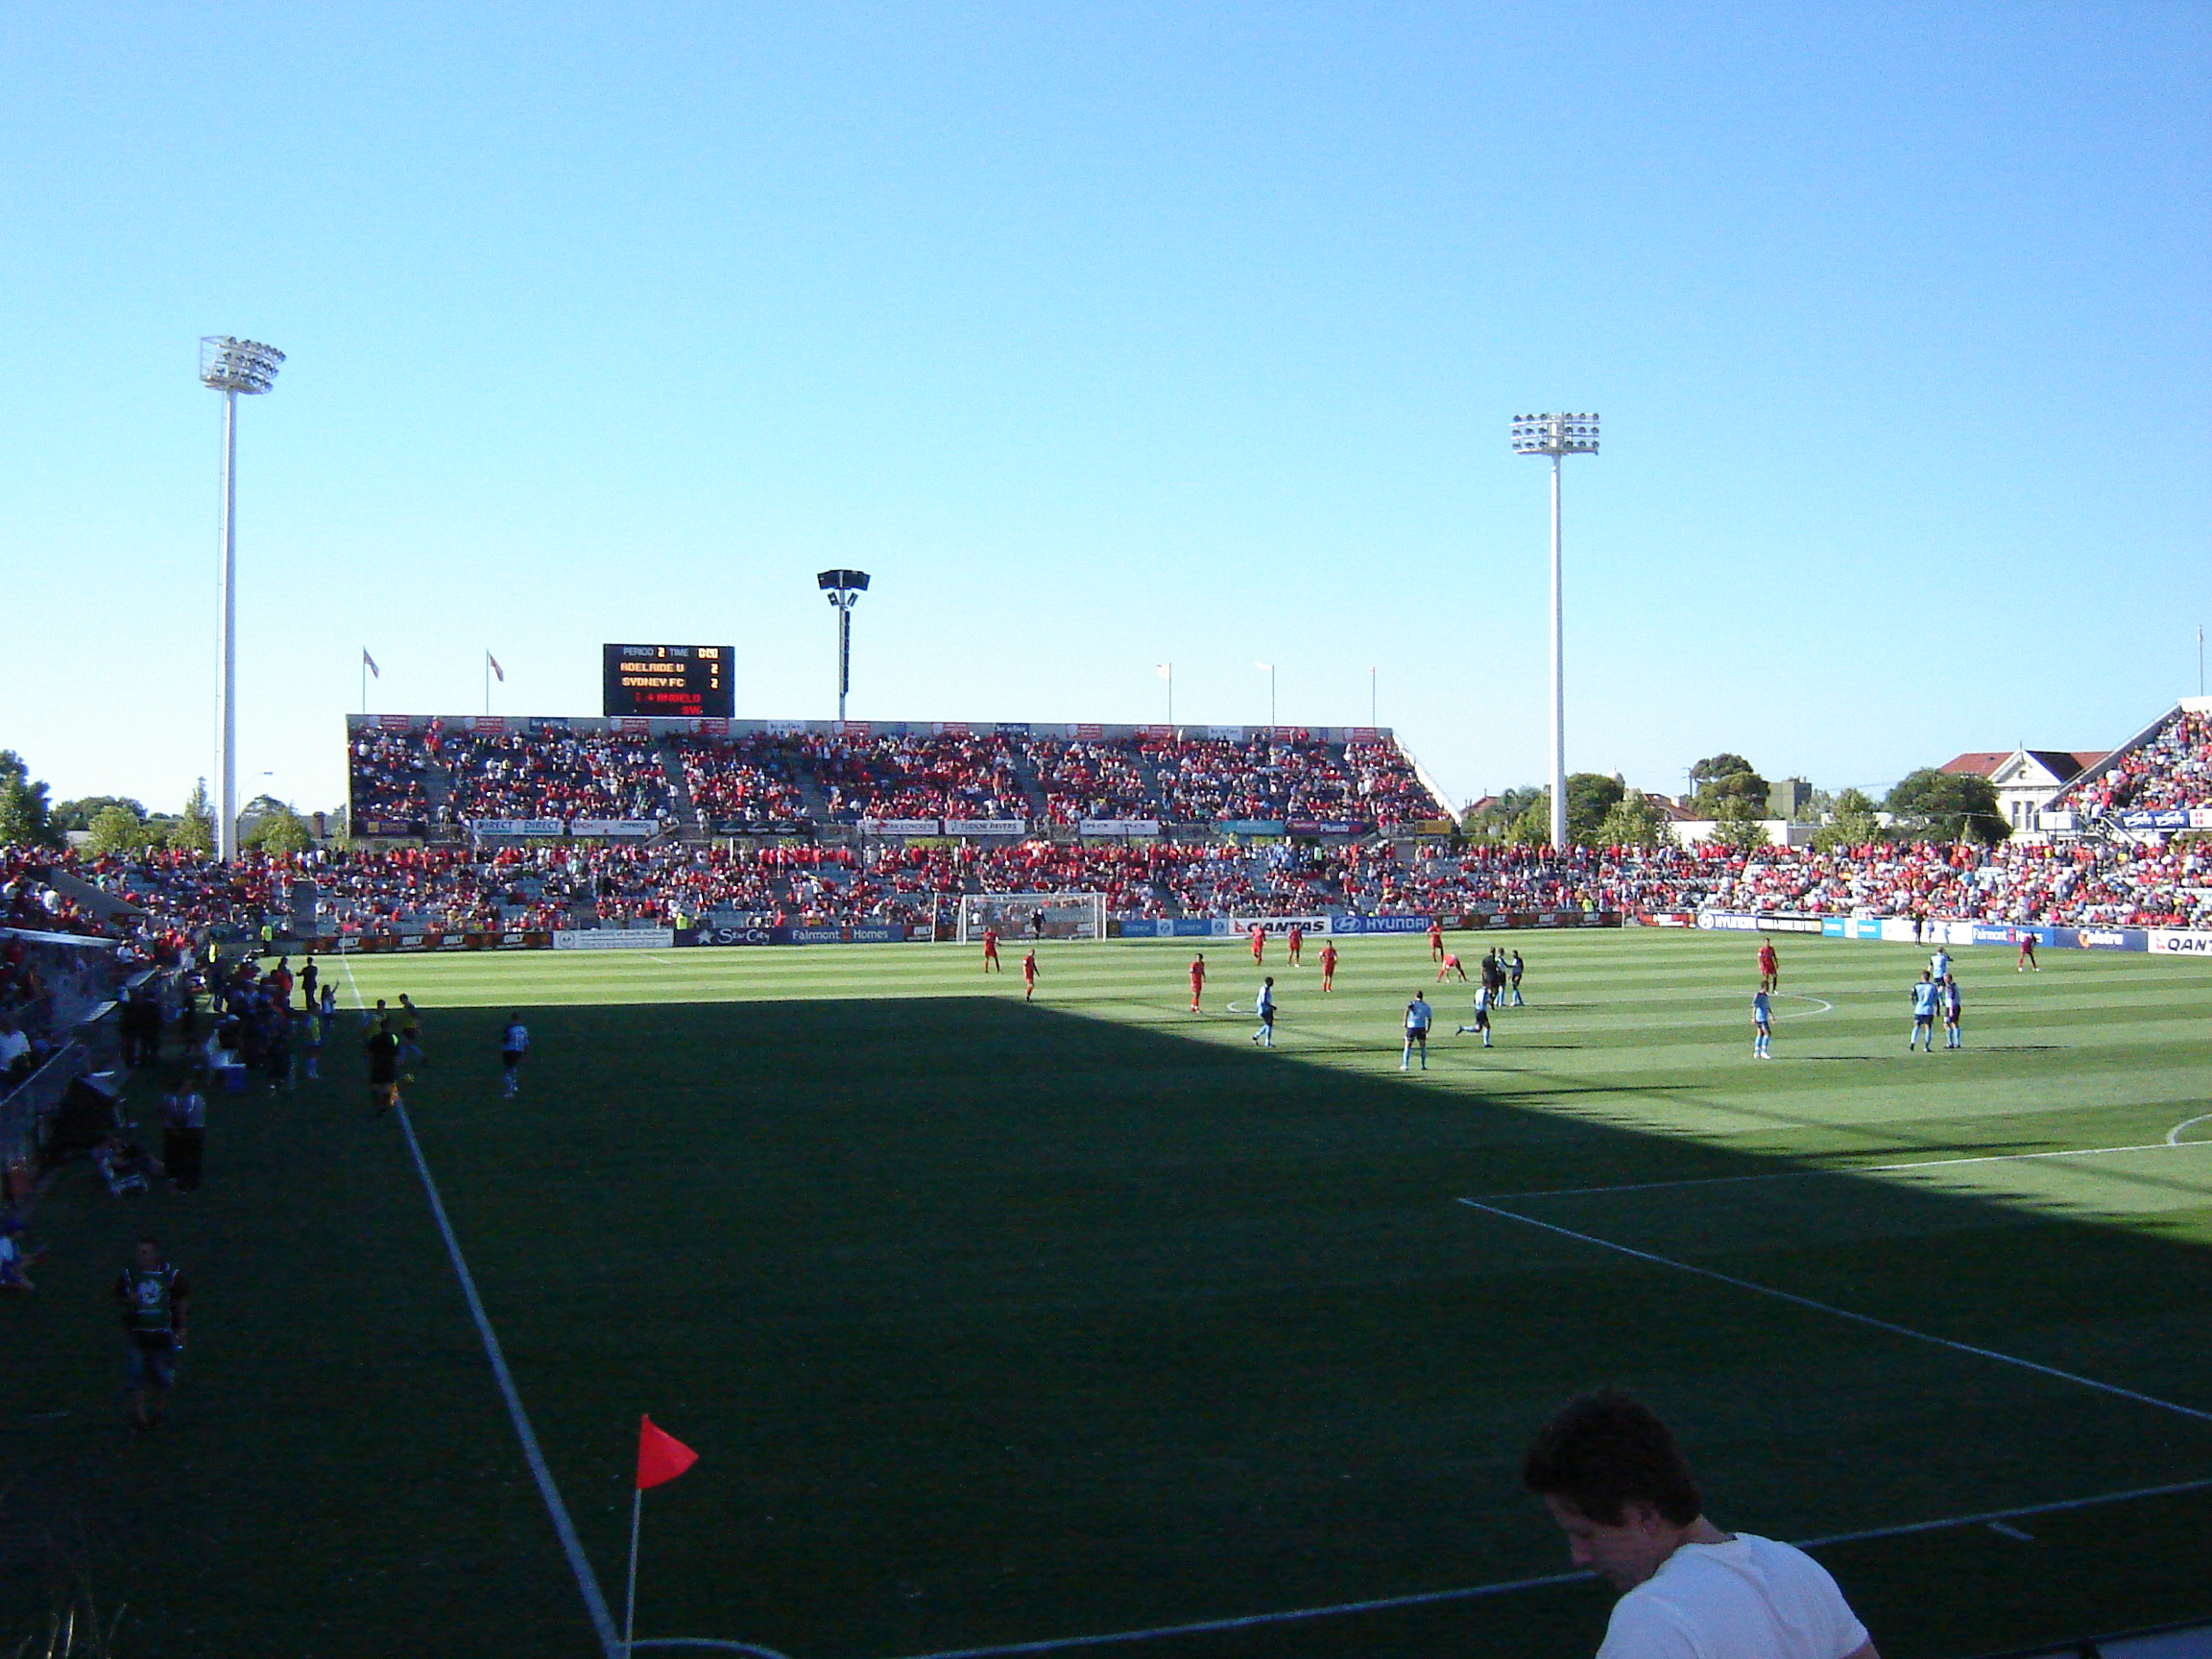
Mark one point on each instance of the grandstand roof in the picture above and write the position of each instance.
(1978, 763)
(2063, 764)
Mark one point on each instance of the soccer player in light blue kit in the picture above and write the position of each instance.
(1925, 996)
(1762, 1024)
(1418, 1017)
(1265, 1009)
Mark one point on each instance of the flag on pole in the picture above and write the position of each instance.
(661, 1455)
(1166, 670)
(369, 663)
(493, 662)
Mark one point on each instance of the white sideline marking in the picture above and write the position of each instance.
(1245, 1623)
(1846, 1313)
(595, 1603)
(1477, 1591)
(1800, 997)
(1857, 1168)
(2174, 1135)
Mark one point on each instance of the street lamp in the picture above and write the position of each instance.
(1556, 436)
(230, 366)
(843, 590)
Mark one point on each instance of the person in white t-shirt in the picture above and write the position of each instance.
(1618, 1485)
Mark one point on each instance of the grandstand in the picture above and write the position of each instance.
(2159, 779)
(491, 777)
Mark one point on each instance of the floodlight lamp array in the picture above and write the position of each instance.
(228, 364)
(1555, 434)
(842, 586)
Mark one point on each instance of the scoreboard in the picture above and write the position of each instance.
(667, 680)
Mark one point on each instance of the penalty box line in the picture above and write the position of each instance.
(1477, 1592)
(1790, 1296)
(594, 1602)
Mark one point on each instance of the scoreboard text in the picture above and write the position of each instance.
(669, 679)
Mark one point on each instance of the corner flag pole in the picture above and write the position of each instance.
(661, 1457)
(630, 1597)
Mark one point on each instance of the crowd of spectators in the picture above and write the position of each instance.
(778, 778)
(558, 774)
(389, 773)
(1205, 779)
(754, 780)
(2172, 768)
(914, 777)
(174, 899)
(1092, 779)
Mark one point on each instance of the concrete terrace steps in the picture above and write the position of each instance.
(689, 827)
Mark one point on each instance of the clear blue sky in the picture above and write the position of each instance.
(1106, 335)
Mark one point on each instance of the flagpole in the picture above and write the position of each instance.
(487, 682)
(630, 1601)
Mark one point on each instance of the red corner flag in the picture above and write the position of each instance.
(661, 1455)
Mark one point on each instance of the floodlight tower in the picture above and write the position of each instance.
(843, 590)
(231, 366)
(1556, 436)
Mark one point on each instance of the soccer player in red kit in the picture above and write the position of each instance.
(1259, 945)
(1296, 943)
(1436, 943)
(1769, 967)
(1327, 964)
(1451, 966)
(991, 951)
(1028, 976)
(1197, 978)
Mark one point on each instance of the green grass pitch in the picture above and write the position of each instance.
(996, 1325)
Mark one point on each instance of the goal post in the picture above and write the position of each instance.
(1016, 916)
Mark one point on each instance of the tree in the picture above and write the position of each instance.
(277, 831)
(115, 828)
(195, 830)
(1851, 823)
(1720, 779)
(1935, 806)
(78, 814)
(25, 819)
(1532, 826)
(1636, 821)
(1737, 825)
(1590, 796)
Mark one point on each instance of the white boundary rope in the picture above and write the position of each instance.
(1791, 1296)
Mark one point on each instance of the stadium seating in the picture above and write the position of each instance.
(558, 774)
(410, 777)
(389, 776)
(752, 781)
(2170, 768)
(470, 888)
(921, 777)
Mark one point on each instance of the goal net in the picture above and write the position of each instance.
(1020, 916)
